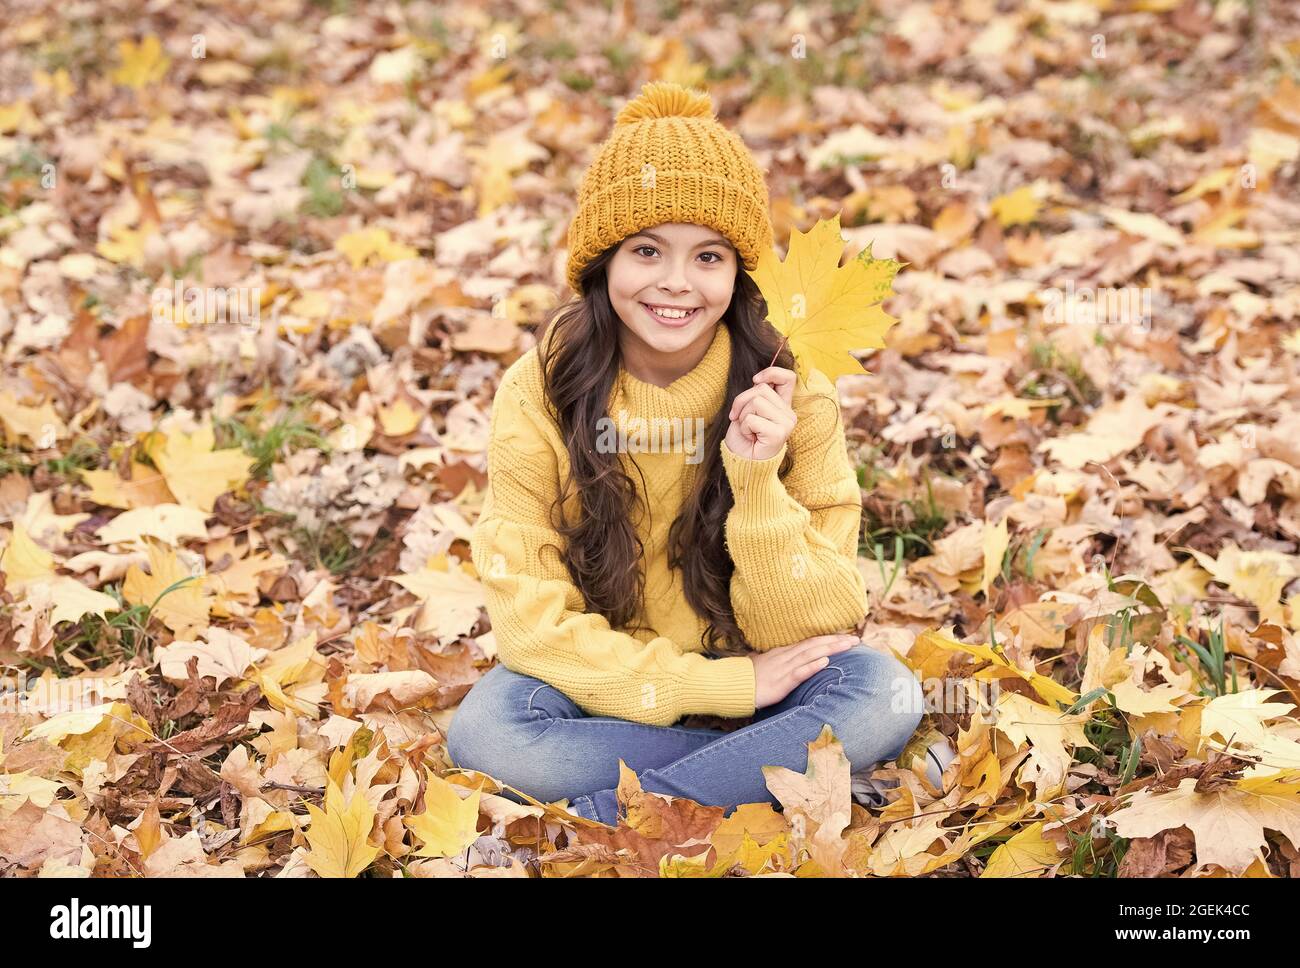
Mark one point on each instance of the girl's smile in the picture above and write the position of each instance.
(654, 277)
(671, 316)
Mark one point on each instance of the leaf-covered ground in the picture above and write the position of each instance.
(238, 609)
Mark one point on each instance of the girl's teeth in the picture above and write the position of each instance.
(671, 315)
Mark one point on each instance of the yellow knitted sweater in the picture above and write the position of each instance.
(796, 571)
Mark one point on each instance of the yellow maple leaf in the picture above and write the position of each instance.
(19, 117)
(1143, 225)
(1027, 854)
(754, 836)
(1132, 698)
(292, 678)
(1241, 715)
(339, 834)
(1258, 576)
(493, 186)
(449, 823)
(40, 425)
(1282, 783)
(1048, 688)
(184, 608)
(364, 245)
(679, 865)
(17, 789)
(817, 803)
(292, 662)
(450, 595)
(24, 560)
(60, 82)
(142, 64)
(1228, 823)
(92, 734)
(195, 473)
(73, 600)
(125, 245)
(906, 851)
(239, 581)
(1214, 181)
(995, 540)
(1051, 736)
(399, 419)
(823, 309)
(75, 722)
(169, 523)
(1019, 207)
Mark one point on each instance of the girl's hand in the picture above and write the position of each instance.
(762, 417)
(777, 671)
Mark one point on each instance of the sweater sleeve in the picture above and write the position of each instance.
(538, 613)
(796, 571)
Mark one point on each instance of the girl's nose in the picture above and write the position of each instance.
(675, 281)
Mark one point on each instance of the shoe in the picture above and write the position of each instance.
(868, 792)
(937, 757)
(871, 792)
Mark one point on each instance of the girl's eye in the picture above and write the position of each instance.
(640, 248)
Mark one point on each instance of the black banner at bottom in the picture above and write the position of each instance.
(305, 916)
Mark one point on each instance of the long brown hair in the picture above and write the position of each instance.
(579, 353)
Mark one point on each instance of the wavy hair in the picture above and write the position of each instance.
(579, 353)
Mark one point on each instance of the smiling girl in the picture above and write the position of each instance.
(629, 587)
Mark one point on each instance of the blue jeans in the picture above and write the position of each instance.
(528, 734)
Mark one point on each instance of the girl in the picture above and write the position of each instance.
(671, 523)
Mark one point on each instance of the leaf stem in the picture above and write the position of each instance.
(753, 448)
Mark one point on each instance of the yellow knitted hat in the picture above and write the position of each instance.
(669, 160)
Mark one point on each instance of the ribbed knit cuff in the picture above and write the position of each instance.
(755, 485)
(723, 687)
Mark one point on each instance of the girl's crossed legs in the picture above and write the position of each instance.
(524, 732)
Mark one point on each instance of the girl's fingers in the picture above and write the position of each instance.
(834, 643)
(775, 374)
(802, 672)
(745, 396)
(757, 426)
(820, 645)
(807, 664)
(768, 428)
(766, 393)
(780, 378)
(777, 380)
(771, 409)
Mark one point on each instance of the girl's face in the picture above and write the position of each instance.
(675, 266)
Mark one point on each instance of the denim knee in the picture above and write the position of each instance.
(489, 715)
(500, 729)
(883, 705)
(457, 734)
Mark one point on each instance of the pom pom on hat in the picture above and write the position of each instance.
(662, 99)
